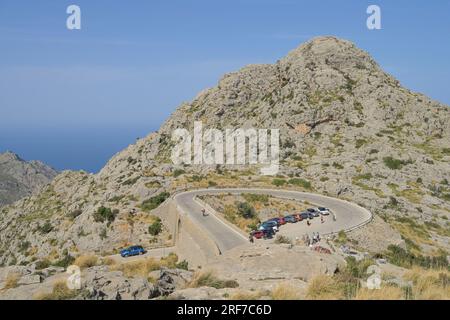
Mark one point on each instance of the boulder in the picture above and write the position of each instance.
(29, 279)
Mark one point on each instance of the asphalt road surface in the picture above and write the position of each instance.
(348, 215)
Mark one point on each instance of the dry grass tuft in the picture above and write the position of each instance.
(429, 284)
(209, 279)
(284, 291)
(11, 281)
(246, 295)
(86, 261)
(384, 293)
(60, 292)
(108, 261)
(324, 287)
(142, 267)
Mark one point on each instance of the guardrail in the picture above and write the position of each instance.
(262, 189)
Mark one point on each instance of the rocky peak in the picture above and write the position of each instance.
(19, 178)
(9, 156)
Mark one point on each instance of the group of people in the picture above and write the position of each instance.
(309, 241)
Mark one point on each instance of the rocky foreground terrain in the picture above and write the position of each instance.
(19, 178)
(347, 129)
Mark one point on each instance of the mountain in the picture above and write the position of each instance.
(347, 129)
(19, 178)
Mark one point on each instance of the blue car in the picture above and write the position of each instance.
(132, 251)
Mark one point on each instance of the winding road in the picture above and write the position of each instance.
(349, 216)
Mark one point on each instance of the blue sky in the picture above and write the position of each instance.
(74, 98)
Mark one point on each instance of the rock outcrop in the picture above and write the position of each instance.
(19, 178)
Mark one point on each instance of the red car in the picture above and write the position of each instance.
(280, 221)
(258, 234)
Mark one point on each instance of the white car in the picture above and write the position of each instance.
(324, 211)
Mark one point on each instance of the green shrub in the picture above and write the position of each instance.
(212, 183)
(45, 228)
(359, 143)
(105, 214)
(155, 201)
(338, 165)
(246, 210)
(155, 228)
(183, 265)
(178, 172)
(394, 164)
(403, 258)
(42, 264)
(24, 246)
(300, 182)
(252, 197)
(66, 261)
(279, 182)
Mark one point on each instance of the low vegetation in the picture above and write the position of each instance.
(60, 292)
(394, 164)
(11, 281)
(280, 239)
(154, 202)
(404, 258)
(155, 228)
(141, 268)
(104, 214)
(86, 261)
(285, 291)
(209, 279)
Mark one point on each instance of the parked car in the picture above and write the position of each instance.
(290, 219)
(132, 251)
(268, 233)
(268, 225)
(258, 234)
(324, 211)
(280, 221)
(313, 211)
(307, 215)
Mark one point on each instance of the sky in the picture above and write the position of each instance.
(74, 98)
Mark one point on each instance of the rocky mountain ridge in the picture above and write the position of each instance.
(346, 127)
(19, 178)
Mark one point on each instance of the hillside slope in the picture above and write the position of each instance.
(19, 178)
(347, 129)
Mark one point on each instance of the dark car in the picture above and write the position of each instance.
(268, 225)
(278, 220)
(306, 215)
(313, 211)
(268, 233)
(290, 219)
(132, 251)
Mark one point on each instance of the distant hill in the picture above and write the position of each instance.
(19, 178)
